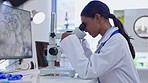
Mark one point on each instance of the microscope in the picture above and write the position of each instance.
(79, 31)
(54, 51)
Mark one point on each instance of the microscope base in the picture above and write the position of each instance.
(58, 71)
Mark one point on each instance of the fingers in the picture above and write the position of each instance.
(65, 34)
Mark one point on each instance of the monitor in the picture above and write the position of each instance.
(15, 33)
(41, 47)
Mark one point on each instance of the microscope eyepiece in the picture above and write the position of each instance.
(82, 26)
(79, 31)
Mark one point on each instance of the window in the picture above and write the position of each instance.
(65, 15)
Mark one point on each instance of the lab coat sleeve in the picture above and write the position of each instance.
(98, 63)
(86, 48)
(76, 55)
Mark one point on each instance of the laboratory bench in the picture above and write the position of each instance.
(33, 76)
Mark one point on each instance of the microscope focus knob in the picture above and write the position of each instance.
(53, 51)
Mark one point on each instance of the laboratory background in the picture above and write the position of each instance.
(30, 47)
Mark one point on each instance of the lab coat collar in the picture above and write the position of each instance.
(107, 34)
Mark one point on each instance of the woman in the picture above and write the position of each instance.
(112, 61)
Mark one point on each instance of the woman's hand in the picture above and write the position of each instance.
(65, 34)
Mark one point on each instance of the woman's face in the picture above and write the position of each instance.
(92, 25)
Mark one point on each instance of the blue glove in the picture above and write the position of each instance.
(14, 77)
(2, 75)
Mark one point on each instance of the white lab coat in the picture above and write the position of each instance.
(114, 63)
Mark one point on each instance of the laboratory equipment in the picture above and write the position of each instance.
(79, 31)
(38, 16)
(54, 51)
(41, 48)
(137, 27)
(15, 33)
(54, 54)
